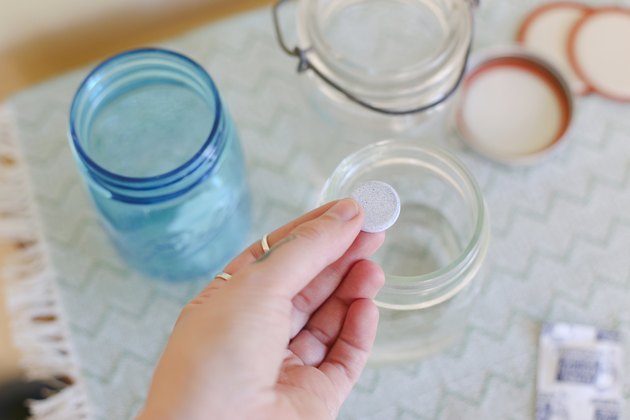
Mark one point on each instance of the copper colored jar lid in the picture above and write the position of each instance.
(515, 107)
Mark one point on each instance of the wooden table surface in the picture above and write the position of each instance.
(135, 23)
(42, 56)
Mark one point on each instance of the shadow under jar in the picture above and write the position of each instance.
(162, 162)
(433, 254)
(385, 63)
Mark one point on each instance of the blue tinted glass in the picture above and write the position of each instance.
(163, 163)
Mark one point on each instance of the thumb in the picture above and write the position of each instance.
(295, 260)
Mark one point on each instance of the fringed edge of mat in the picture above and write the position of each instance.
(38, 325)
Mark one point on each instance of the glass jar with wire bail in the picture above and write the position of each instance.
(432, 256)
(387, 64)
(163, 163)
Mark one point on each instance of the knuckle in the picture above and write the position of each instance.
(321, 335)
(312, 232)
(303, 302)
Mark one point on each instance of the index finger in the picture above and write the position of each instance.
(309, 248)
(255, 251)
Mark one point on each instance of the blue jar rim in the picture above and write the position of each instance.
(93, 166)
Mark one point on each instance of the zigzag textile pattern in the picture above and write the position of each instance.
(559, 251)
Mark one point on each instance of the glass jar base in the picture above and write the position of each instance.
(187, 255)
(422, 348)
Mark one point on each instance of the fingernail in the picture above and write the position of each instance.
(346, 209)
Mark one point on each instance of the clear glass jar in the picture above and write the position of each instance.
(433, 254)
(162, 162)
(386, 63)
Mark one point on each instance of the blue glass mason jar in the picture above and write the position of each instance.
(163, 163)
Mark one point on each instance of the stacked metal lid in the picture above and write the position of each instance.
(589, 45)
(517, 102)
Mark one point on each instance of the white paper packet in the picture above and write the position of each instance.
(579, 373)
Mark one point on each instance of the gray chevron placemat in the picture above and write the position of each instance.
(560, 240)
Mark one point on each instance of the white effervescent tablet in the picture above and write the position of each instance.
(380, 204)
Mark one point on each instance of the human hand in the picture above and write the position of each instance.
(286, 337)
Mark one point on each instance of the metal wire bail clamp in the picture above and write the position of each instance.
(304, 64)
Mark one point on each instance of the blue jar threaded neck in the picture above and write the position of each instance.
(128, 70)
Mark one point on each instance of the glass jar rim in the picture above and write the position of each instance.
(167, 177)
(338, 67)
(470, 256)
(320, 42)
